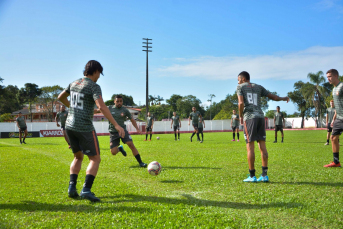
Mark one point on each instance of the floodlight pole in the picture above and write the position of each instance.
(210, 100)
(147, 43)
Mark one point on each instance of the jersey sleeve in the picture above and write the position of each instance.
(96, 91)
(128, 114)
(58, 115)
(264, 92)
(67, 89)
(239, 90)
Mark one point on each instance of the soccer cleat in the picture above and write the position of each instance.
(233, 140)
(191, 139)
(274, 141)
(142, 165)
(263, 179)
(175, 140)
(326, 144)
(145, 140)
(24, 142)
(89, 196)
(250, 179)
(333, 164)
(200, 141)
(72, 192)
(149, 140)
(121, 149)
(179, 139)
(281, 141)
(69, 146)
(21, 142)
(238, 140)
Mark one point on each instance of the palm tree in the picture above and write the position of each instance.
(152, 99)
(159, 99)
(316, 92)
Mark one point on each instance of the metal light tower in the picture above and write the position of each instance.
(147, 43)
(210, 100)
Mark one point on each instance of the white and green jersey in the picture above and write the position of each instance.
(278, 118)
(252, 94)
(200, 124)
(63, 117)
(235, 123)
(330, 112)
(337, 93)
(149, 121)
(120, 115)
(83, 93)
(195, 117)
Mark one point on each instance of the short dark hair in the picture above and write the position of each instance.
(245, 75)
(91, 67)
(333, 71)
(19, 113)
(118, 97)
(277, 107)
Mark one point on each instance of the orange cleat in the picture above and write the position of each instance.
(333, 164)
(145, 140)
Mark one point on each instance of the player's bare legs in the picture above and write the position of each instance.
(93, 166)
(264, 153)
(20, 136)
(251, 156)
(76, 164)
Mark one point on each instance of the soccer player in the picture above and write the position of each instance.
(337, 121)
(120, 114)
(330, 112)
(84, 93)
(194, 115)
(235, 125)
(62, 116)
(252, 117)
(149, 126)
(21, 124)
(176, 123)
(279, 123)
(201, 126)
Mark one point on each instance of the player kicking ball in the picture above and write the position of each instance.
(120, 114)
(337, 121)
(252, 117)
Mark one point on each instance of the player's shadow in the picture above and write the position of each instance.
(32, 206)
(338, 184)
(190, 200)
(46, 143)
(179, 167)
(171, 181)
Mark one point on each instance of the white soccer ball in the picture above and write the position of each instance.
(158, 138)
(154, 168)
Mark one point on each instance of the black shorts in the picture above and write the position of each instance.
(329, 128)
(23, 128)
(148, 129)
(63, 127)
(115, 139)
(234, 128)
(254, 130)
(195, 126)
(337, 128)
(278, 128)
(176, 128)
(87, 142)
(200, 129)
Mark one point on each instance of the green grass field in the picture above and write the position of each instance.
(200, 185)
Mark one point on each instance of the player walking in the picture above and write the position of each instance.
(195, 115)
(235, 125)
(21, 124)
(279, 123)
(149, 126)
(176, 123)
(330, 112)
(120, 114)
(251, 115)
(62, 116)
(337, 121)
(84, 93)
(201, 126)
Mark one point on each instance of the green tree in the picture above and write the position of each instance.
(48, 99)
(29, 94)
(127, 99)
(185, 104)
(172, 101)
(159, 99)
(6, 117)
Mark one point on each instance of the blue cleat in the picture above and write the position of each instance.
(250, 179)
(121, 149)
(263, 179)
(89, 196)
(72, 192)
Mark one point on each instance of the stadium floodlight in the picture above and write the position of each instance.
(147, 47)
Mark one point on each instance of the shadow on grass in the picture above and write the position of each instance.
(190, 200)
(178, 167)
(171, 181)
(38, 143)
(339, 184)
(32, 206)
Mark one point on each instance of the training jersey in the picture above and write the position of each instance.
(252, 94)
(149, 121)
(337, 93)
(21, 121)
(62, 115)
(200, 124)
(278, 118)
(195, 117)
(83, 93)
(120, 115)
(176, 120)
(235, 123)
(330, 112)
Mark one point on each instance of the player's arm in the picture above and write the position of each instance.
(327, 117)
(274, 120)
(152, 123)
(240, 107)
(134, 123)
(106, 112)
(189, 120)
(171, 124)
(203, 123)
(180, 122)
(277, 98)
(231, 121)
(18, 124)
(333, 119)
(284, 123)
(63, 97)
(56, 120)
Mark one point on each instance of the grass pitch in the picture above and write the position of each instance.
(200, 185)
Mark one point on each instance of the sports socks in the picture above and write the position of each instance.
(178, 134)
(264, 171)
(146, 137)
(282, 139)
(175, 135)
(238, 136)
(276, 139)
(202, 137)
(234, 135)
(88, 182)
(336, 157)
(138, 158)
(198, 136)
(73, 179)
(327, 140)
(252, 173)
(150, 136)
(192, 135)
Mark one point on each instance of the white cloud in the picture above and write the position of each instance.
(329, 5)
(295, 65)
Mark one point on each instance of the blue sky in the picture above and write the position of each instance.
(199, 47)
